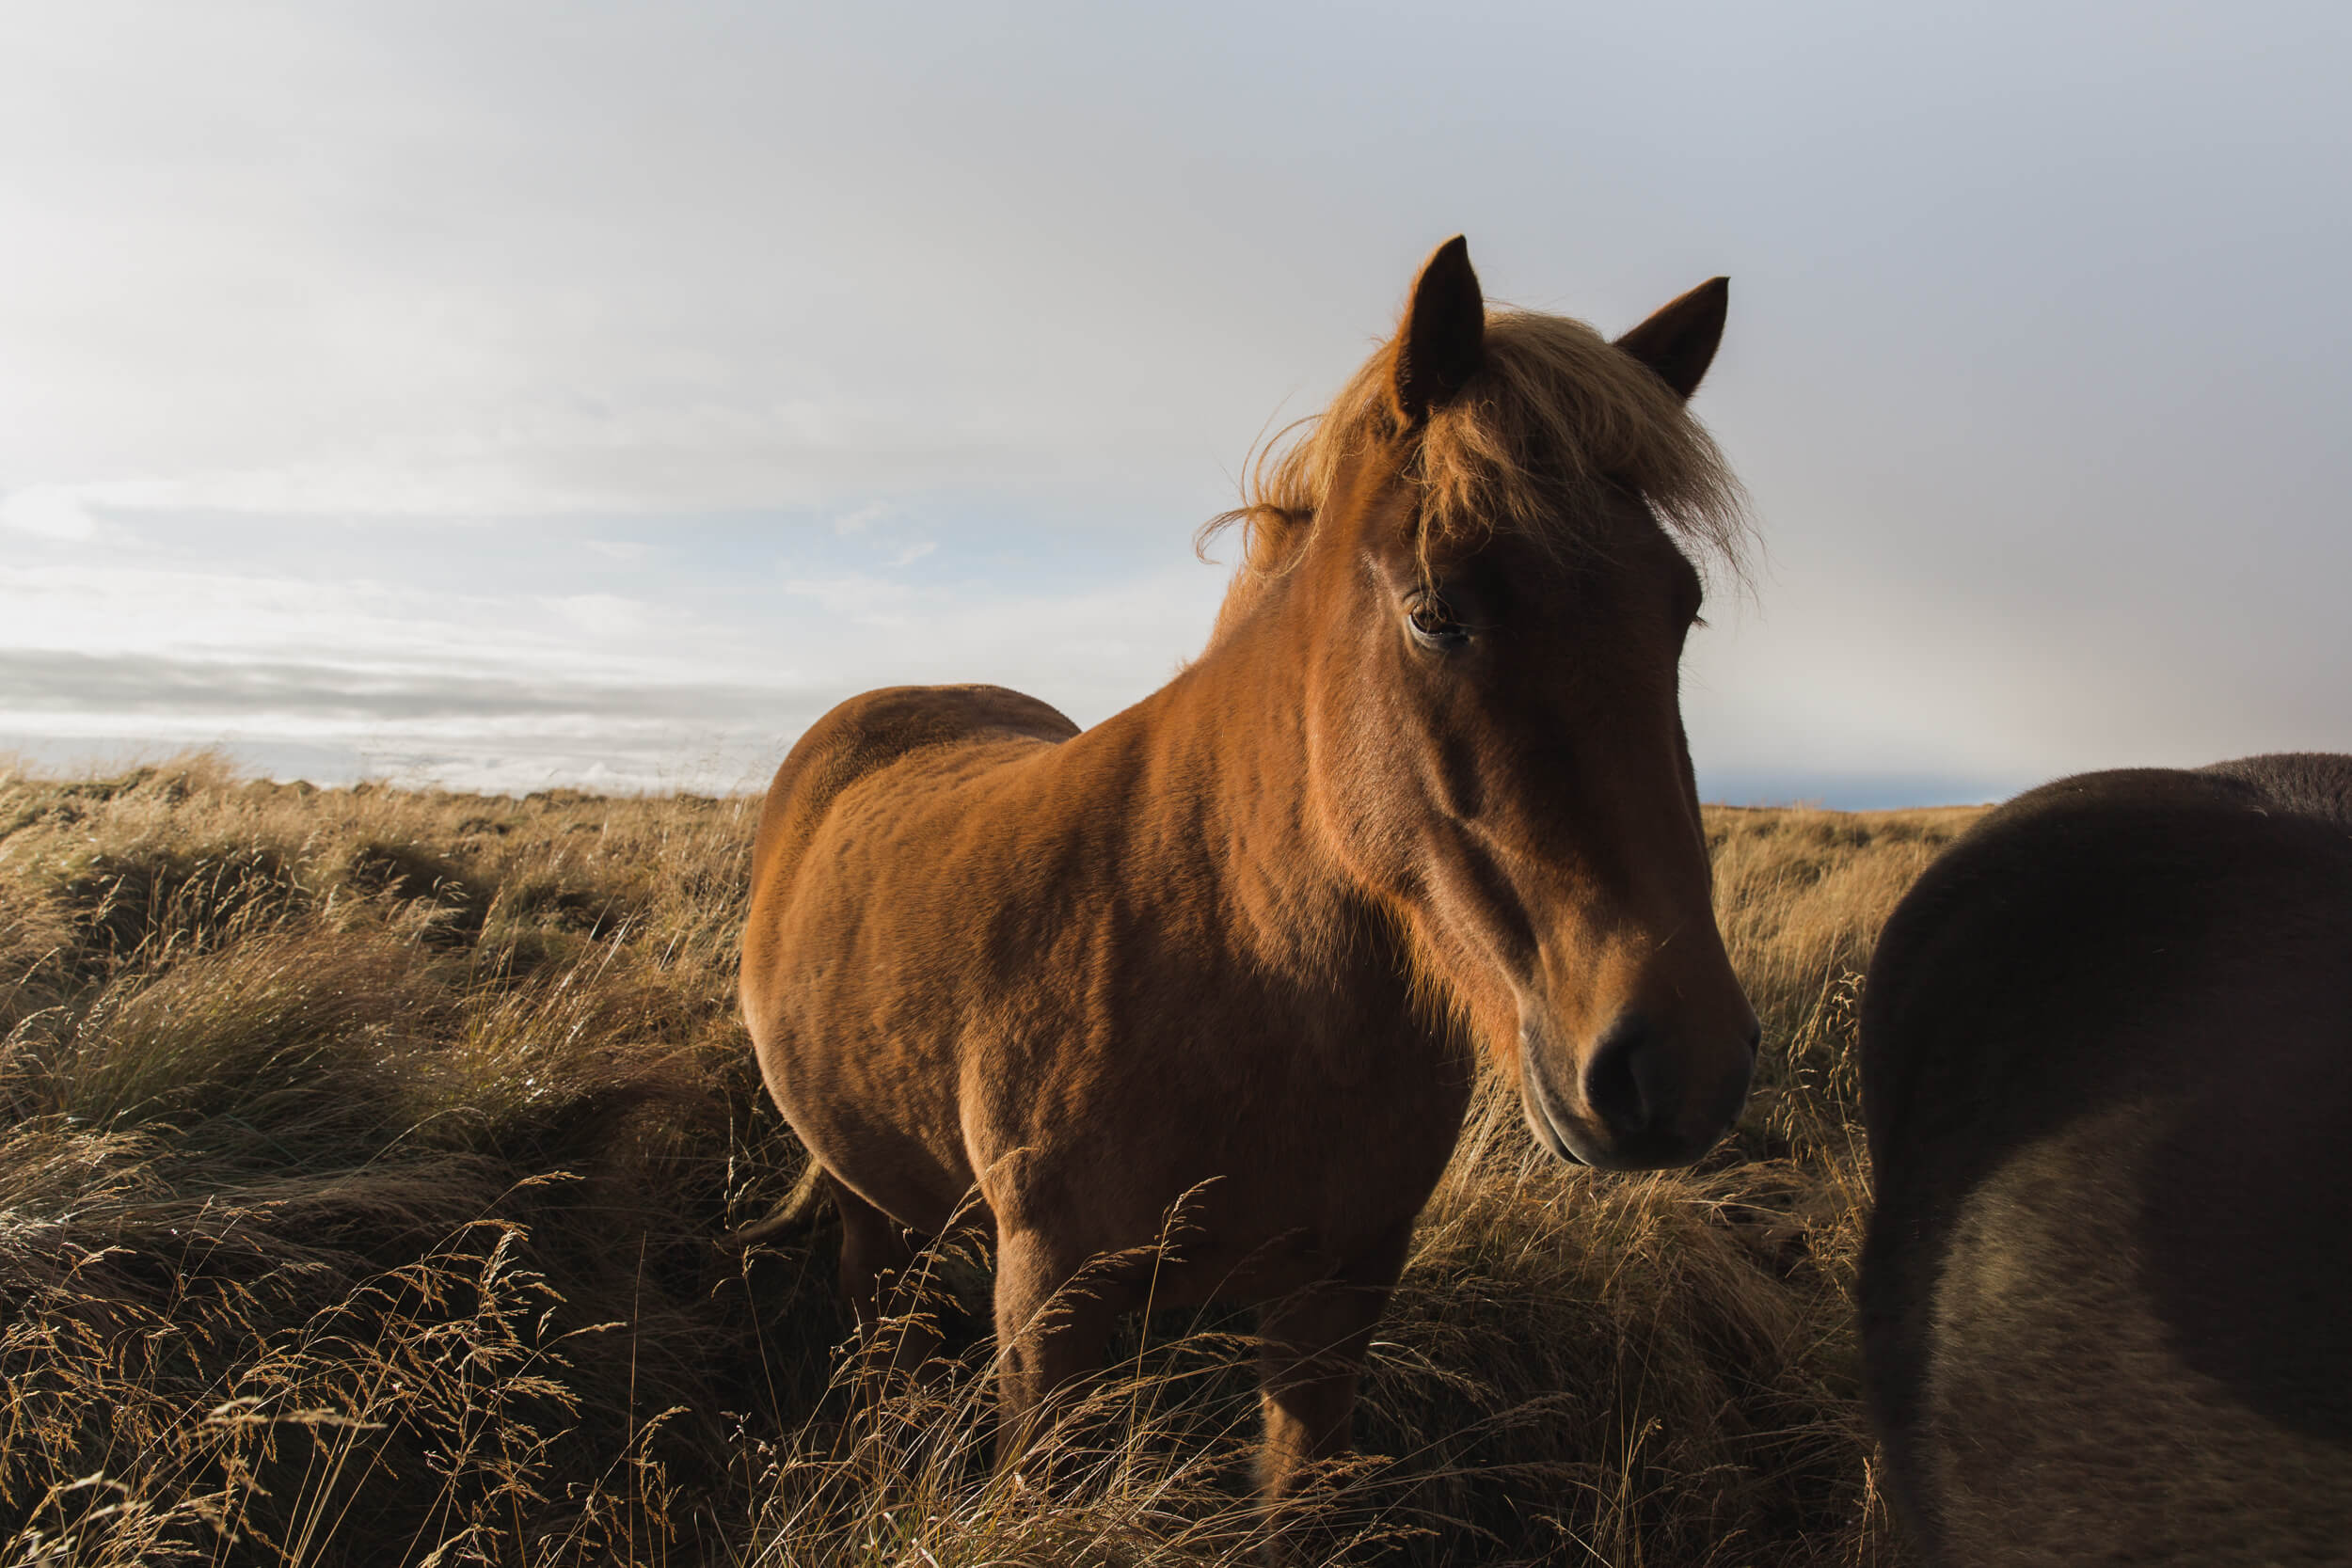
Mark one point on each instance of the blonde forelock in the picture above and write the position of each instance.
(1554, 409)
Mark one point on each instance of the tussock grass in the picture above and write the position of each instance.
(366, 1158)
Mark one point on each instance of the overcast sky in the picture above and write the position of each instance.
(509, 394)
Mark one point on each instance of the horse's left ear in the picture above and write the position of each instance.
(1443, 339)
(1678, 342)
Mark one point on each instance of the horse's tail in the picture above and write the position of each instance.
(800, 1207)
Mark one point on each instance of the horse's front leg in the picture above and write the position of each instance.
(1311, 1346)
(1310, 1351)
(1053, 1320)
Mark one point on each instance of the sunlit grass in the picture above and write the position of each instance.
(369, 1157)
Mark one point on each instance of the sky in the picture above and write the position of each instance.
(505, 395)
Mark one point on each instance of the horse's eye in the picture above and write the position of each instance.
(1433, 625)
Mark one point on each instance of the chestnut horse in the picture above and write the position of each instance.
(2106, 1053)
(1423, 796)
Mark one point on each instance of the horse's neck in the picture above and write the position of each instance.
(1227, 743)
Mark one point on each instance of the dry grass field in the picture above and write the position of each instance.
(366, 1158)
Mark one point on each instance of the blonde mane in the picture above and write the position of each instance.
(1554, 409)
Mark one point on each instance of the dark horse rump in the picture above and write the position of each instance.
(2107, 1049)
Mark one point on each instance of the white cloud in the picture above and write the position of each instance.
(500, 683)
(604, 615)
(855, 596)
(49, 512)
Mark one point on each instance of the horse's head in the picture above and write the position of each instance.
(1495, 743)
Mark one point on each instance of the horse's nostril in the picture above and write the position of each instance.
(1755, 1040)
(1621, 1084)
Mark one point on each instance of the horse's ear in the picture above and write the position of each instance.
(1443, 339)
(1678, 342)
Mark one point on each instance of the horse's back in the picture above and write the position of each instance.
(2105, 1070)
(873, 731)
(2309, 784)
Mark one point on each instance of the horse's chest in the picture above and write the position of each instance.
(1264, 1147)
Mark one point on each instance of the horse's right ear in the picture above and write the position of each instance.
(1443, 339)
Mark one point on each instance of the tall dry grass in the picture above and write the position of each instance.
(369, 1155)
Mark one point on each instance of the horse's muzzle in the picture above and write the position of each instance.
(1642, 1101)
